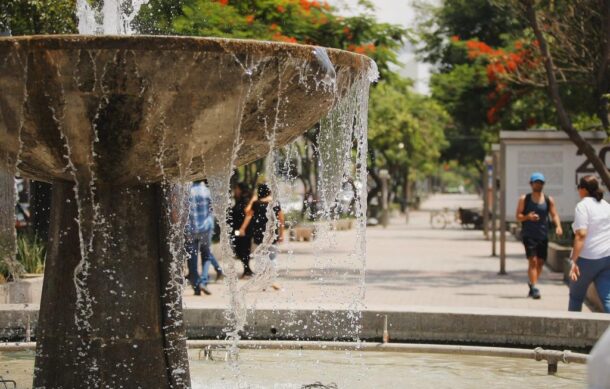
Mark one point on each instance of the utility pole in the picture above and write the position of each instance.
(385, 178)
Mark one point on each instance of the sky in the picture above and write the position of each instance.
(396, 12)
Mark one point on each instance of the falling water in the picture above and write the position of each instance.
(342, 149)
(114, 17)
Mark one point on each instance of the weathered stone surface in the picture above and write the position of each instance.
(130, 110)
(22, 291)
(408, 324)
(556, 256)
(114, 331)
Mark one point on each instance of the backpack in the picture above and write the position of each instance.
(528, 197)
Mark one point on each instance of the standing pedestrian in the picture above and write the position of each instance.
(533, 212)
(590, 259)
(200, 229)
(241, 243)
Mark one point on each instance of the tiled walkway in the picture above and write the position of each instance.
(406, 265)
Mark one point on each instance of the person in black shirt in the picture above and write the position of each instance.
(255, 223)
(535, 210)
(241, 243)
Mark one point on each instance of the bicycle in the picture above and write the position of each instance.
(441, 219)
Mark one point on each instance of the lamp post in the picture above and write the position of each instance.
(385, 178)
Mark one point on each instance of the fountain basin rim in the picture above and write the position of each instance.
(181, 43)
(415, 348)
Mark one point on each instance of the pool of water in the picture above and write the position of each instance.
(336, 369)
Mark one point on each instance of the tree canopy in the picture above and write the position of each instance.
(26, 17)
(292, 21)
(490, 73)
(406, 129)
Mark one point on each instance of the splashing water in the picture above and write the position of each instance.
(342, 150)
(115, 17)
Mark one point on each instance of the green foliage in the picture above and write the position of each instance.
(30, 253)
(467, 19)
(460, 84)
(29, 258)
(157, 16)
(8, 266)
(453, 175)
(27, 17)
(564, 240)
(488, 92)
(406, 130)
(462, 93)
(293, 21)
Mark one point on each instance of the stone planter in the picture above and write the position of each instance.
(556, 256)
(27, 290)
(303, 233)
(344, 224)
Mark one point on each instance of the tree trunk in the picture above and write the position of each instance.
(374, 191)
(602, 86)
(564, 120)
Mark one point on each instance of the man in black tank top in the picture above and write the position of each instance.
(533, 212)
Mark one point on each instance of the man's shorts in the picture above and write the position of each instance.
(535, 247)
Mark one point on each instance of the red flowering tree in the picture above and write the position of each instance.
(566, 55)
(293, 21)
(509, 70)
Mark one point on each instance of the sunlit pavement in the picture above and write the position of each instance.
(406, 265)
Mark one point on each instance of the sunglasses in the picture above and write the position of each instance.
(538, 182)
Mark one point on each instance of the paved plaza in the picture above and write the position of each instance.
(407, 264)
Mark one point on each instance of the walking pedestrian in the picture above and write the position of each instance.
(255, 223)
(241, 243)
(590, 259)
(200, 229)
(533, 212)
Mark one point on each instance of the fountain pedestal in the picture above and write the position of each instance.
(124, 328)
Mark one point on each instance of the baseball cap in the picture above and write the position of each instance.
(537, 176)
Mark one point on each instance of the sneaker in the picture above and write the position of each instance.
(198, 292)
(219, 276)
(205, 290)
(534, 293)
(247, 275)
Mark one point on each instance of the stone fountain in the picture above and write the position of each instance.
(118, 125)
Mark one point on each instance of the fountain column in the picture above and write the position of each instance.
(123, 328)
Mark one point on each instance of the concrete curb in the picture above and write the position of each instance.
(405, 324)
(225, 345)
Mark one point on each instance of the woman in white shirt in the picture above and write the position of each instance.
(591, 253)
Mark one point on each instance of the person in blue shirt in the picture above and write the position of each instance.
(535, 210)
(200, 228)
